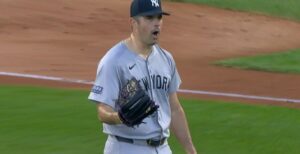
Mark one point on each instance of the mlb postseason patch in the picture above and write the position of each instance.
(97, 89)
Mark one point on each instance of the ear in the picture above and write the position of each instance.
(132, 21)
(136, 19)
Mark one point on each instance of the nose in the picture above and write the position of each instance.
(157, 22)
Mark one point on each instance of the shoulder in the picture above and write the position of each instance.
(113, 58)
(115, 55)
(166, 54)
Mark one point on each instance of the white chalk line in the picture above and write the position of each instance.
(42, 77)
(199, 92)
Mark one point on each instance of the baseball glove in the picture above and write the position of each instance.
(134, 104)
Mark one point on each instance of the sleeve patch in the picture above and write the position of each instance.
(97, 89)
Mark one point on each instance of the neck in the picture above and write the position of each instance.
(138, 46)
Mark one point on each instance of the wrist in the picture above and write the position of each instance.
(116, 118)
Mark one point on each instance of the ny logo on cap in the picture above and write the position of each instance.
(155, 3)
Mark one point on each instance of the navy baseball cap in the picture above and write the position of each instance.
(146, 7)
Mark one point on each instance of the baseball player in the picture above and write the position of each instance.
(140, 57)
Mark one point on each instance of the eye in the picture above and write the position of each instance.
(149, 17)
(159, 16)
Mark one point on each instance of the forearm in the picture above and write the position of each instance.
(179, 127)
(108, 115)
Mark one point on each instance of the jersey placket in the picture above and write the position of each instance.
(148, 68)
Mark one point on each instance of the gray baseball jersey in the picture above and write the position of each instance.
(157, 75)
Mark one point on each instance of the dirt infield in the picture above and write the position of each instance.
(67, 38)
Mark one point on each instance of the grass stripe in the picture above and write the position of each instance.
(284, 62)
(286, 9)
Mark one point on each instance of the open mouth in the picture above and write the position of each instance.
(156, 32)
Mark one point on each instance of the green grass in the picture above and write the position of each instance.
(231, 128)
(55, 121)
(47, 121)
(284, 62)
(282, 8)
